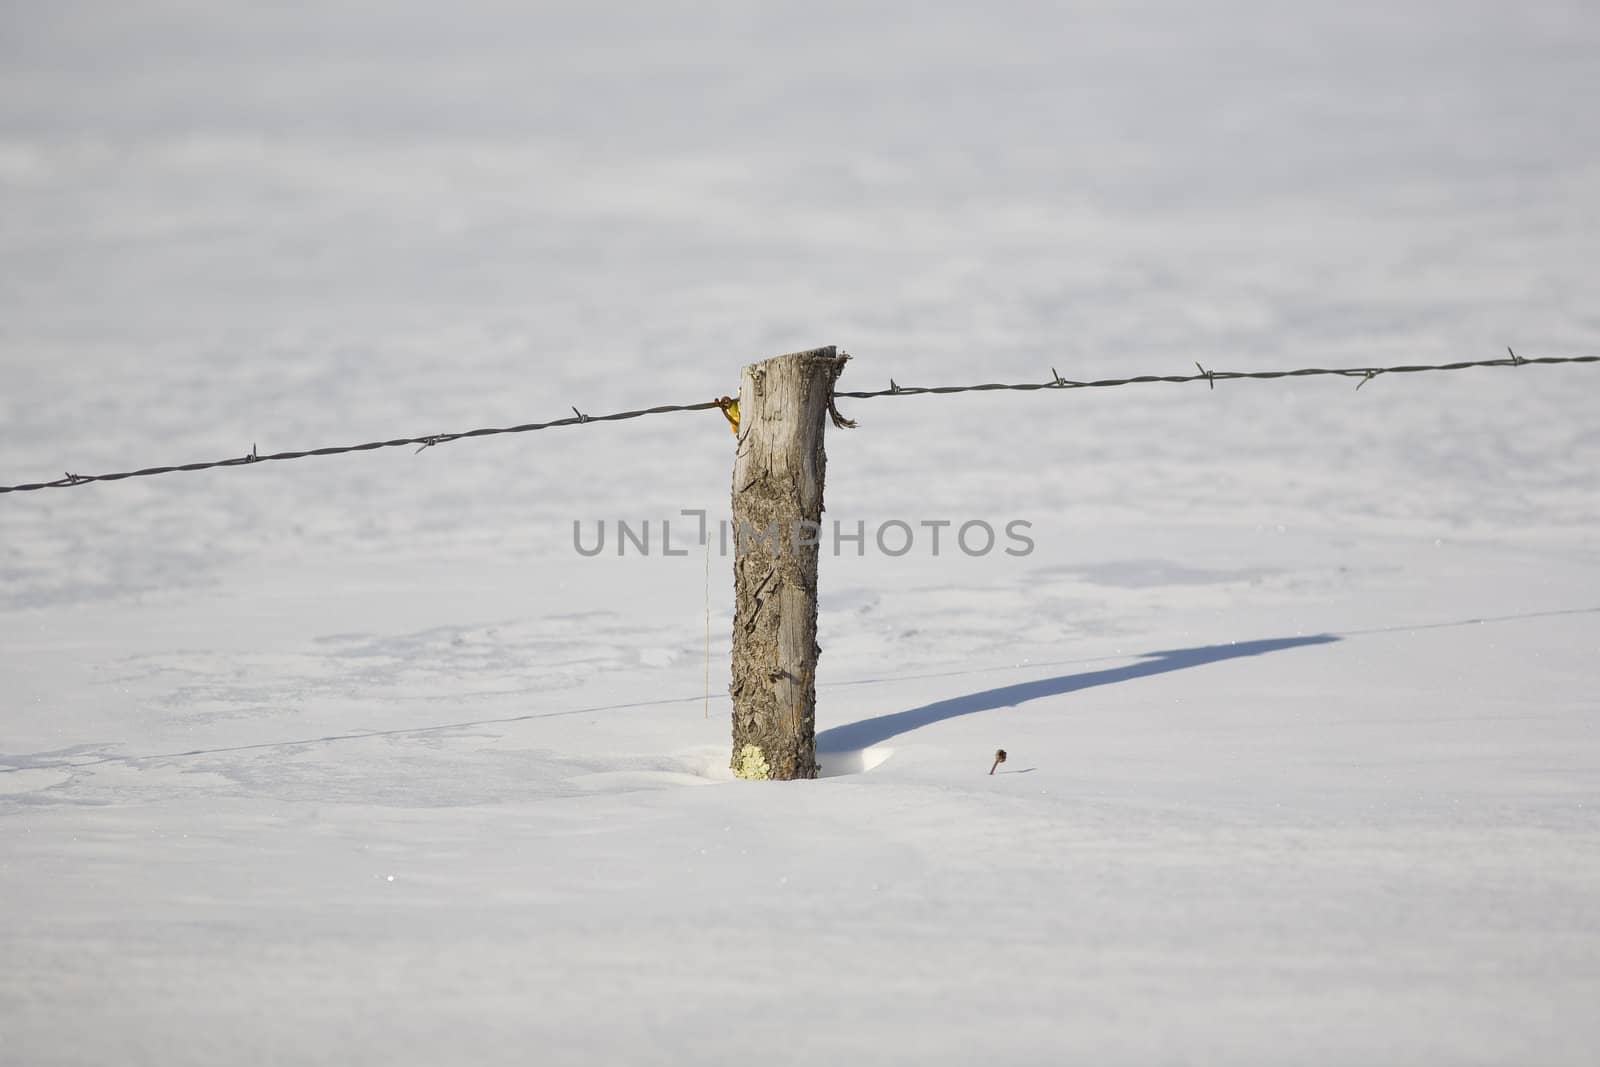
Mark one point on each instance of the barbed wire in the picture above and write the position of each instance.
(423, 441)
(1212, 377)
(578, 418)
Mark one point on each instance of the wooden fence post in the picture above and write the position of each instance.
(777, 516)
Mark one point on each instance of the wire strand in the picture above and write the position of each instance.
(578, 418)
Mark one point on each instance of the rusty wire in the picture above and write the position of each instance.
(578, 418)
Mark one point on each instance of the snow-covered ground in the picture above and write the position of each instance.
(357, 761)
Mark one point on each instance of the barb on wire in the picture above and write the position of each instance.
(578, 418)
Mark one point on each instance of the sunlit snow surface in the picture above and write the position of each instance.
(357, 761)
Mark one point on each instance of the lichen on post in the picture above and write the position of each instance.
(784, 405)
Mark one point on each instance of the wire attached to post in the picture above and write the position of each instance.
(729, 408)
(730, 411)
(838, 420)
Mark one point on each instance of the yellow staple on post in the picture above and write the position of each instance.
(730, 411)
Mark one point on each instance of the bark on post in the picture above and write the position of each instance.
(777, 514)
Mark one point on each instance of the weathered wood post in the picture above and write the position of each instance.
(777, 518)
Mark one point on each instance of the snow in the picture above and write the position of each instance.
(356, 760)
